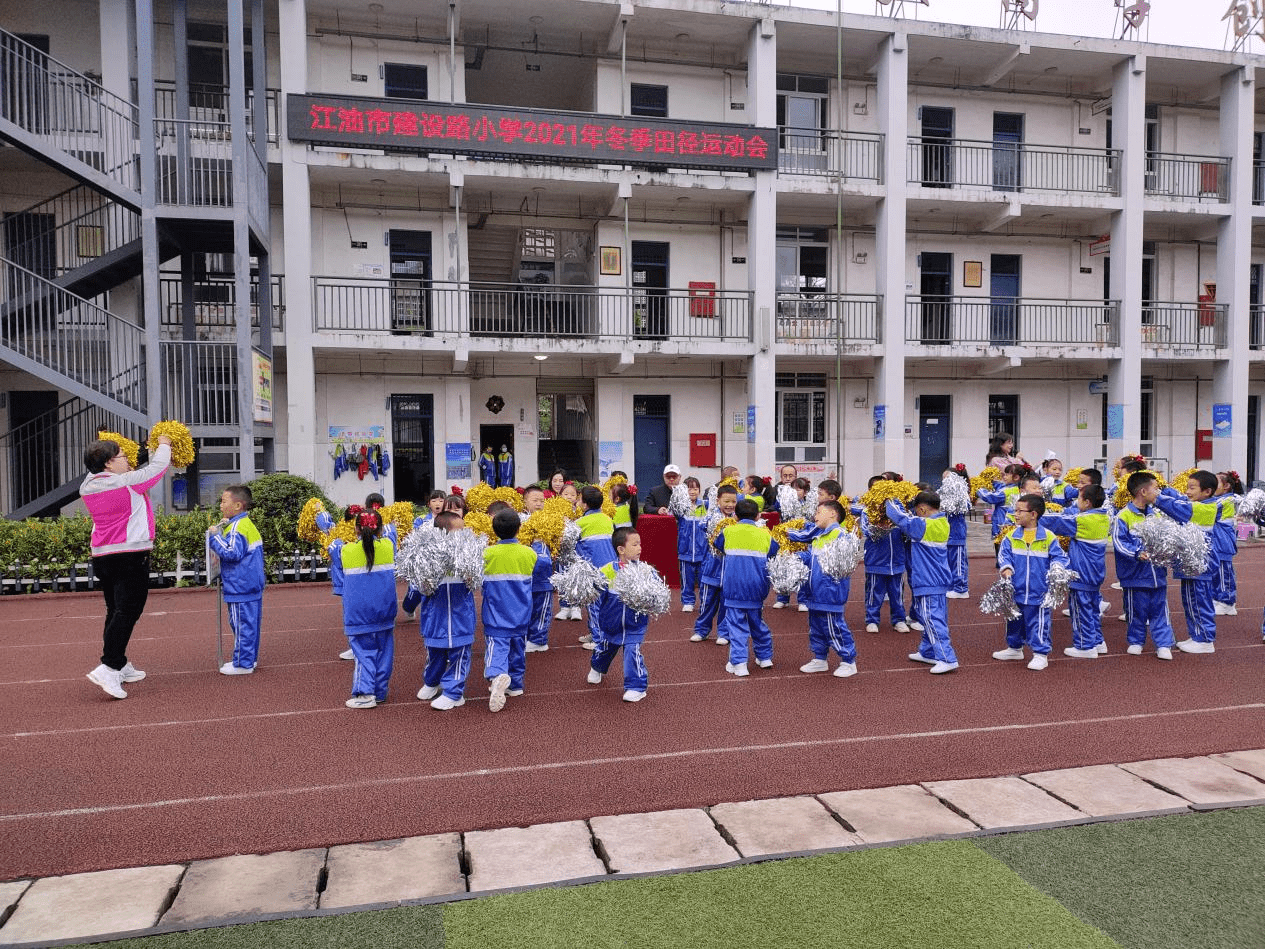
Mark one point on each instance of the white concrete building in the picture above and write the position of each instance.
(608, 235)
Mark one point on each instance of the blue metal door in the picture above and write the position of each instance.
(1003, 287)
(933, 437)
(650, 439)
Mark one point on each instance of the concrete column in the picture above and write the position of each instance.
(118, 40)
(296, 203)
(151, 299)
(762, 255)
(1234, 261)
(1124, 375)
(888, 412)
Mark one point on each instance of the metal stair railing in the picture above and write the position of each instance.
(85, 225)
(92, 352)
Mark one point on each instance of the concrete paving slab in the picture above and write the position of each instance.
(393, 871)
(247, 886)
(10, 893)
(667, 840)
(529, 856)
(1003, 802)
(1251, 762)
(1199, 780)
(91, 904)
(903, 812)
(782, 825)
(1104, 790)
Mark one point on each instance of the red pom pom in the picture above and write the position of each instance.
(632, 489)
(354, 510)
(367, 520)
(456, 489)
(520, 490)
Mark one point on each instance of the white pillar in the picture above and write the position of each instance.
(762, 256)
(117, 20)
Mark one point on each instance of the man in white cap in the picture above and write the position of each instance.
(657, 500)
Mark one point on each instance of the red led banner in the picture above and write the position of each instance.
(527, 134)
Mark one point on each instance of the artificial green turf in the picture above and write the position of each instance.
(412, 927)
(1189, 880)
(939, 894)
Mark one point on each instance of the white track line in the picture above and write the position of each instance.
(620, 759)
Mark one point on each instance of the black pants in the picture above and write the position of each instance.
(125, 582)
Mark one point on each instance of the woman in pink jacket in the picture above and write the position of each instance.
(122, 537)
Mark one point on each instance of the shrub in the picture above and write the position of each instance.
(278, 499)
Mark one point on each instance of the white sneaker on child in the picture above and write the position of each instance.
(815, 665)
(687, 608)
(564, 613)
(845, 669)
(1038, 662)
(496, 699)
(738, 670)
(696, 638)
(428, 692)
(1008, 653)
(722, 641)
(347, 654)
(779, 605)
(632, 695)
(445, 704)
(764, 663)
(899, 627)
(803, 607)
(109, 679)
(536, 647)
(916, 626)
(871, 627)
(594, 677)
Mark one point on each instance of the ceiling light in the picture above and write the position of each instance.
(541, 357)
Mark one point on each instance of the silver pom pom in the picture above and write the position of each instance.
(999, 600)
(642, 589)
(1058, 580)
(680, 505)
(840, 557)
(787, 573)
(424, 558)
(1252, 507)
(955, 495)
(467, 557)
(566, 545)
(580, 583)
(787, 500)
(1184, 547)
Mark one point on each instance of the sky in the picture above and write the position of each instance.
(1177, 22)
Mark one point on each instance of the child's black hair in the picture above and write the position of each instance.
(368, 532)
(435, 496)
(1233, 480)
(592, 498)
(726, 489)
(447, 520)
(496, 507)
(1137, 481)
(619, 539)
(833, 506)
(832, 487)
(1206, 479)
(802, 484)
(930, 498)
(1035, 502)
(747, 510)
(1131, 465)
(1094, 494)
(1093, 474)
(241, 494)
(455, 502)
(374, 500)
(622, 494)
(532, 488)
(505, 523)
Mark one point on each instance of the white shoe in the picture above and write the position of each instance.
(347, 654)
(1101, 649)
(594, 677)
(632, 695)
(445, 704)
(940, 668)
(815, 665)
(590, 646)
(228, 669)
(1080, 653)
(871, 627)
(1103, 607)
(1038, 662)
(722, 641)
(110, 680)
(496, 700)
(536, 647)
(362, 701)
(1232, 610)
(764, 663)
(845, 669)
(687, 608)
(129, 673)
(564, 613)
(1008, 653)
(576, 613)
(739, 670)
(1067, 612)
(1190, 645)
(952, 595)
(1117, 586)
(803, 607)
(779, 605)
(696, 638)
(919, 657)
(428, 692)
(1135, 649)
(514, 693)
(916, 626)
(1123, 617)
(899, 627)
(1163, 653)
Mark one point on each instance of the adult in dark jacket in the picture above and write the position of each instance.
(658, 498)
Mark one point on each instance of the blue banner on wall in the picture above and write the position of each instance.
(1222, 420)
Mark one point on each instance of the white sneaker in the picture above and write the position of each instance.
(1190, 645)
(445, 704)
(764, 663)
(632, 695)
(940, 668)
(576, 613)
(845, 669)
(815, 665)
(1135, 649)
(594, 677)
(1231, 609)
(871, 627)
(1067, 612)
(1038, 662)
(899, 627)
(696, 638)
(803, 607)
(590, 646)
(722, 641)
(1123, 617)
(514, 693)
(1103, 607)
(919, 657)
(129, 673)
(1163, 653)
(953, 595)
(1080, 653)
(564, 613)
(428, 692)
(1101, 649)
(586, 638)
(536, 647)
(110, 680)
(496, 700)
(687, 608)
(779, 605)
(228, 669)
(361, 701)
(916, 626)
(1008, 653)
(347, 654)
(739, 670)
(1117, 586)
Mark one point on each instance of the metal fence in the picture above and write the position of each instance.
(200, 381)
(832, 318)
(1256, 326)
(856, 155)
(433, 307)
(1184, 325)
(215, 306)
(1188, 176)
(69, 230)
(1007, 166)
(195, 163)
(1010, 321)
(211, 103)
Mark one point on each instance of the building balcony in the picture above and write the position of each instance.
(1015, 167)
(1187, 177)
(215, 307)
(850, 155)
(1167, 325)
(435, 308)
(1010, 321)
(1256, 328)
(828, 320)
(200, 384)
(208, 103)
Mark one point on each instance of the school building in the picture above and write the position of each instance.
(602, 235)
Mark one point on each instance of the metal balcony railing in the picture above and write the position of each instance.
(844, 319)
(200, 380)
(1010, 321)
(211, 103)
(857, 155)
(1204, 177)
(69, 230)
(1184, 325)
(1011, 166)
(1256, 327)
(215, 306)
(195, 163)
(426, 307)
(1258, 181)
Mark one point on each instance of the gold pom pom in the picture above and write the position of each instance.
(479, 497)
(344, 531)
(561, 506)
(984, 481)
(130, 449)
(401, 515)
(1122, 496)
(608, 507)
(784, 543)
(876, 498)
(510, 496)
(480, 523)
(611, 482)
(1072, 475)
(1180, 481)
(545, 525)
(182, 453)
(307, 529)
(719, 526)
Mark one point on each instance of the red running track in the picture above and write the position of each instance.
(194, 764)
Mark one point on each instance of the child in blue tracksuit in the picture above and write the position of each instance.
(1144, 584)
(594, 546)
(622, 628)
(434, 505)
(1025, 558)
(507, 581)
(1226, 539)
(541, 578)
(826, 597)
(928, 529)
(744, 584)
(369, 607)
(884, 571)
(711, 606)
(691, 544)
(241, 551)
(1002, 495)
(1200, 507)
(1089, 527)
(446, 618)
